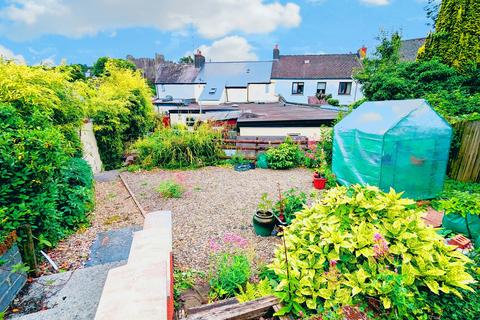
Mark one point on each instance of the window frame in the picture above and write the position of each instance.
(324, 89)
(347, 93)
(303, 88)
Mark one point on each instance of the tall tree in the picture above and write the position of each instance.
(456, 39)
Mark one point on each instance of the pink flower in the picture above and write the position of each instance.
(213, 245)
(381, 246)
(333, 263)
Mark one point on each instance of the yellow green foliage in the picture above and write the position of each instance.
(456, 40)
(359, 242)
(121, 107)
(255, 291)
(40, 89)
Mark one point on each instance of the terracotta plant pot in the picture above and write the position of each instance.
(319, 182)
(263, 223)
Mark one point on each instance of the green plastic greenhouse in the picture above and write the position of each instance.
(403, 144)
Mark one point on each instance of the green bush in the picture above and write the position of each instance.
(120, 105)
(287, 155)
(358, 244)
(292, 202)
(178, 147)
(333, 102)
(170, 189)
(452, 308)
(40, 184)
(255, 291)
(232, 273)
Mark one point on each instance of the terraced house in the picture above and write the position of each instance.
(302, 78)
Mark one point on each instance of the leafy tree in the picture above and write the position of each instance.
(98, 68)
(120, 105)
(456, 40)
(186, 60)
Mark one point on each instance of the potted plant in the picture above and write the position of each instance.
(263, 219)
(319, 179)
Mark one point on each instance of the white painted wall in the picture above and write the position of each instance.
(237, 95)
(179, 91)
(310, 132)
(90, 148)
(260, 92)
(284, 88)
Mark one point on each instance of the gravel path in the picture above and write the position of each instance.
(218, 201)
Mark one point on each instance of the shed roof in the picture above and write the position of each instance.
(323, 66)
(378, 117)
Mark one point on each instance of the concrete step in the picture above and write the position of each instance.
(72, 295)
(135, 293)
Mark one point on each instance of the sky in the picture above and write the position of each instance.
(79, 31)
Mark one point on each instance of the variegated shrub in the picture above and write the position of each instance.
(358, 245)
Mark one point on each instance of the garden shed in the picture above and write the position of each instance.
(403, 144)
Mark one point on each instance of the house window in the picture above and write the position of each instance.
(190, 121)
(321, 87)
(297, 87)
(345, 88)
(212, 91)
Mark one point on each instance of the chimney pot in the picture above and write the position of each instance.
(276, 53)
(199, 59)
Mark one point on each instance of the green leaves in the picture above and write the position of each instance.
(385, 251)
(287, 155)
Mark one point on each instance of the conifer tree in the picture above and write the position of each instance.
(456, 39)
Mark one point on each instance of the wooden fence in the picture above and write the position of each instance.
(465, 164)
(250, 146)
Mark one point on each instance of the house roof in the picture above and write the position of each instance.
(323, 66)
(171, 73)
(283, 115)
(218, 75)
(409, 48)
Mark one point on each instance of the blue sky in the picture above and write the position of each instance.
(80, 31)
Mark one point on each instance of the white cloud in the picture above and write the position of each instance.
(233, 48)
(211, 18)
(8, 54)
(376, 2)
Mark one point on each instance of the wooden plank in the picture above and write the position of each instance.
(133, 197)
(238, 311)
(207, 307)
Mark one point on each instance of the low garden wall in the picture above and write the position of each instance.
(10, 282)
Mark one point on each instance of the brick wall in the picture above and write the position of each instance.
(10, 283)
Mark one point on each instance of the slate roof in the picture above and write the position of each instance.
(220, 75)
(409, 49)
(171, 73)
(324, 66)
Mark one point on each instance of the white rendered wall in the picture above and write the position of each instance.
(284, 88)
(260, 92)
(237, 95)
(310, 132)
(179, 91)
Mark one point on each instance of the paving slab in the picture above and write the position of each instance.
(72, 295)
(111, 246)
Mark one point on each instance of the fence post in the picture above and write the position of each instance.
(28, 248)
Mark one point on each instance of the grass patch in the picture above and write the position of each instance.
(170, 189)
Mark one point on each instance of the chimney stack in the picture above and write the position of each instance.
(199, 60)
(276, 53)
